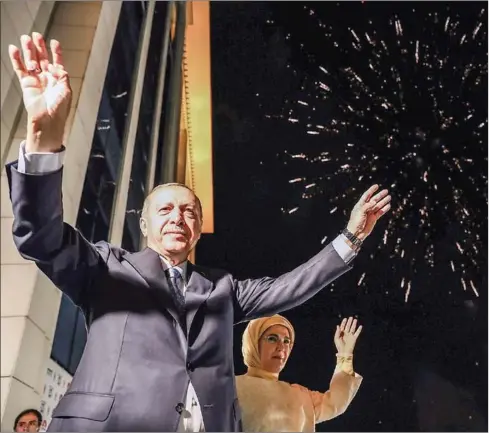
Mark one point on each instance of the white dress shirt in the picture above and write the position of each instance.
(191, 419)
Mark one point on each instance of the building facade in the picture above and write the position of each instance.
(141, 115)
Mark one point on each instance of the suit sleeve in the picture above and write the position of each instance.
(40, 235)
(266, 296)
(335, 401)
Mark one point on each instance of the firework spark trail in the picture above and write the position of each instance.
(405, 109)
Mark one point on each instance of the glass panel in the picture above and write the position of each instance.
(79, 341)
(63, 335)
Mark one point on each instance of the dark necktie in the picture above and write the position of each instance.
(177, 285)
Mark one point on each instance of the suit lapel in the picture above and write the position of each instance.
(199, 288)
(148, 264)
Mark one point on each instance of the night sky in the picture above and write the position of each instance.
(313, 103)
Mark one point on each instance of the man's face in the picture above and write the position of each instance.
(172, 223)
(28, 423)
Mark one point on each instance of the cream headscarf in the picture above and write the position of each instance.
(251, 339)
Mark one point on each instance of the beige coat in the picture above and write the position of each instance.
(269, 405)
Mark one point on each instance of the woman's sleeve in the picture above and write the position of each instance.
(342, 389)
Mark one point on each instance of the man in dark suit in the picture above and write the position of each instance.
(159, 354)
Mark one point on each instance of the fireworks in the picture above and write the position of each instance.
(398, 98)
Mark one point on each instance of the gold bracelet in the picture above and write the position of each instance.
(344, 357)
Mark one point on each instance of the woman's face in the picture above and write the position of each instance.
(275, 346)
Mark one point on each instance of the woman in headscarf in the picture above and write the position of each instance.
(270, 405)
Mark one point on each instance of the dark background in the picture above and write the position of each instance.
(424, 359)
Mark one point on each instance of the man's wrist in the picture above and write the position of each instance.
(351, 245)
(39, 162)
(360, 234)
(38, 141)
(353, 241)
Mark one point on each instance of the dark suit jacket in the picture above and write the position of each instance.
(137, 363)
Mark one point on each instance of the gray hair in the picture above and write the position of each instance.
(169, 185)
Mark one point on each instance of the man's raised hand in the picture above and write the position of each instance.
(45, 89)
(367, 211)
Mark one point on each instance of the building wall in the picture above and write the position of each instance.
(29, 302)
(56, 383)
